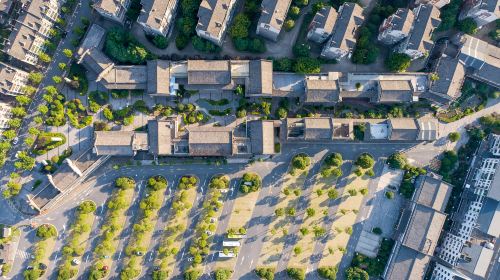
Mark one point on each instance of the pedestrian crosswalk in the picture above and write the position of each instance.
(23, 255)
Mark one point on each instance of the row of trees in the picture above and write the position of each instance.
(77, 241)
(175, 227)
(207, 224)
(142, 230)
(44, 233)
(116, 205)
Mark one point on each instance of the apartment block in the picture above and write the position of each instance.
(482, 11)
(343, 39)
(12, 80)
(113, 10)
(213, 19)
(322, 24)
(157, 15)
(419, 43)
(272, 17)
(396, 27)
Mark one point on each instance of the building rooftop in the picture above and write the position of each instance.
(408, 264)
(424, 229)
(274, 12)
(451, 74)
(260, 77)
(126, 77)
(325, 19)
(482, 58)
(210, 141)
(476, 259)
(321, 91)
(395, 91)
(489, 217)
(212, 16)
(425, 22)
(494, 192)
(403, 129)
(160, 134)
(21, 39)
(318, 128)
(93, 38)
(158, 77)
(433, 193)
(209, 72)
(7, 76)
(262, 137)
(401, 20)
(112, 7)
(153, 13)
(344, 35)
(428, 129)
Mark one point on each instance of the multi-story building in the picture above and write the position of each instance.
(213, 19)
(396, 27)
(31, 30)
(272, 18)
(12, 80)
(343, 39)
(156, 16)
(468, 247)
(482, 11)
(419, 43)
(438, 3)
(322, 24)
(418, 230)
(5, 115)
(112, 9)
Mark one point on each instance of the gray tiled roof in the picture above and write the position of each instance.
(408, 265)
(433, 193)
(209, 72)
(325, 19)
(424, 229)
(478, 259)
(402, 20)
(451, 74)
(395, 91)
(350, 16)
(5, 5)
(212, 16)
(118, 143)
(260, 77)
(489, 217)
(210, 141)
(274, 12)
(318, 128)
(160, 134)
(154, 13)
(403, 129)
(126, 77)
(21, 39)
(262, 137)
(321, 91)
(158, 77)
(425, 22)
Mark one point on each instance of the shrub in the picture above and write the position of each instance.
(254, 180)
(301, 161)
(294, 12)
(266, 273)
(46, 231)
(389, 195)
(222, 274)
(240, 27)
(160, 42)
(377, 231)
(397, 160)
(398, 62)
(283, 64)
(181, 41)
(365, 161)
(125, 183)
(307, 65)
(296, 273)
(301, 50)
(289, 24)
(203, 45)
(356, 273)
(328, 272)
(454, 136)
(333, 193)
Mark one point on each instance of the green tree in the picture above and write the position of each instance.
(289, 24)
(397, 160)
(23, 100)
(46, 231)
(35, 78)
(222, 274)
(356, 273)
(365, 160)
(307, 65)
(68, 53)
(454, 136)
(398, 62)
(44, 57)
(241, 25)
(57, 79)
(266, 273)
(468, 25)
(62, 65)
(296, 273)
(328, 272)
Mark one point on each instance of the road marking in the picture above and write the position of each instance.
(87, 258)
(242, 259)
(120, 254)
(150, 256)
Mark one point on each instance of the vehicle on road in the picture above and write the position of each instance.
(75, 262)
(15, 141)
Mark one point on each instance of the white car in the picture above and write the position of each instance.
(75, 262)
(15, 141)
